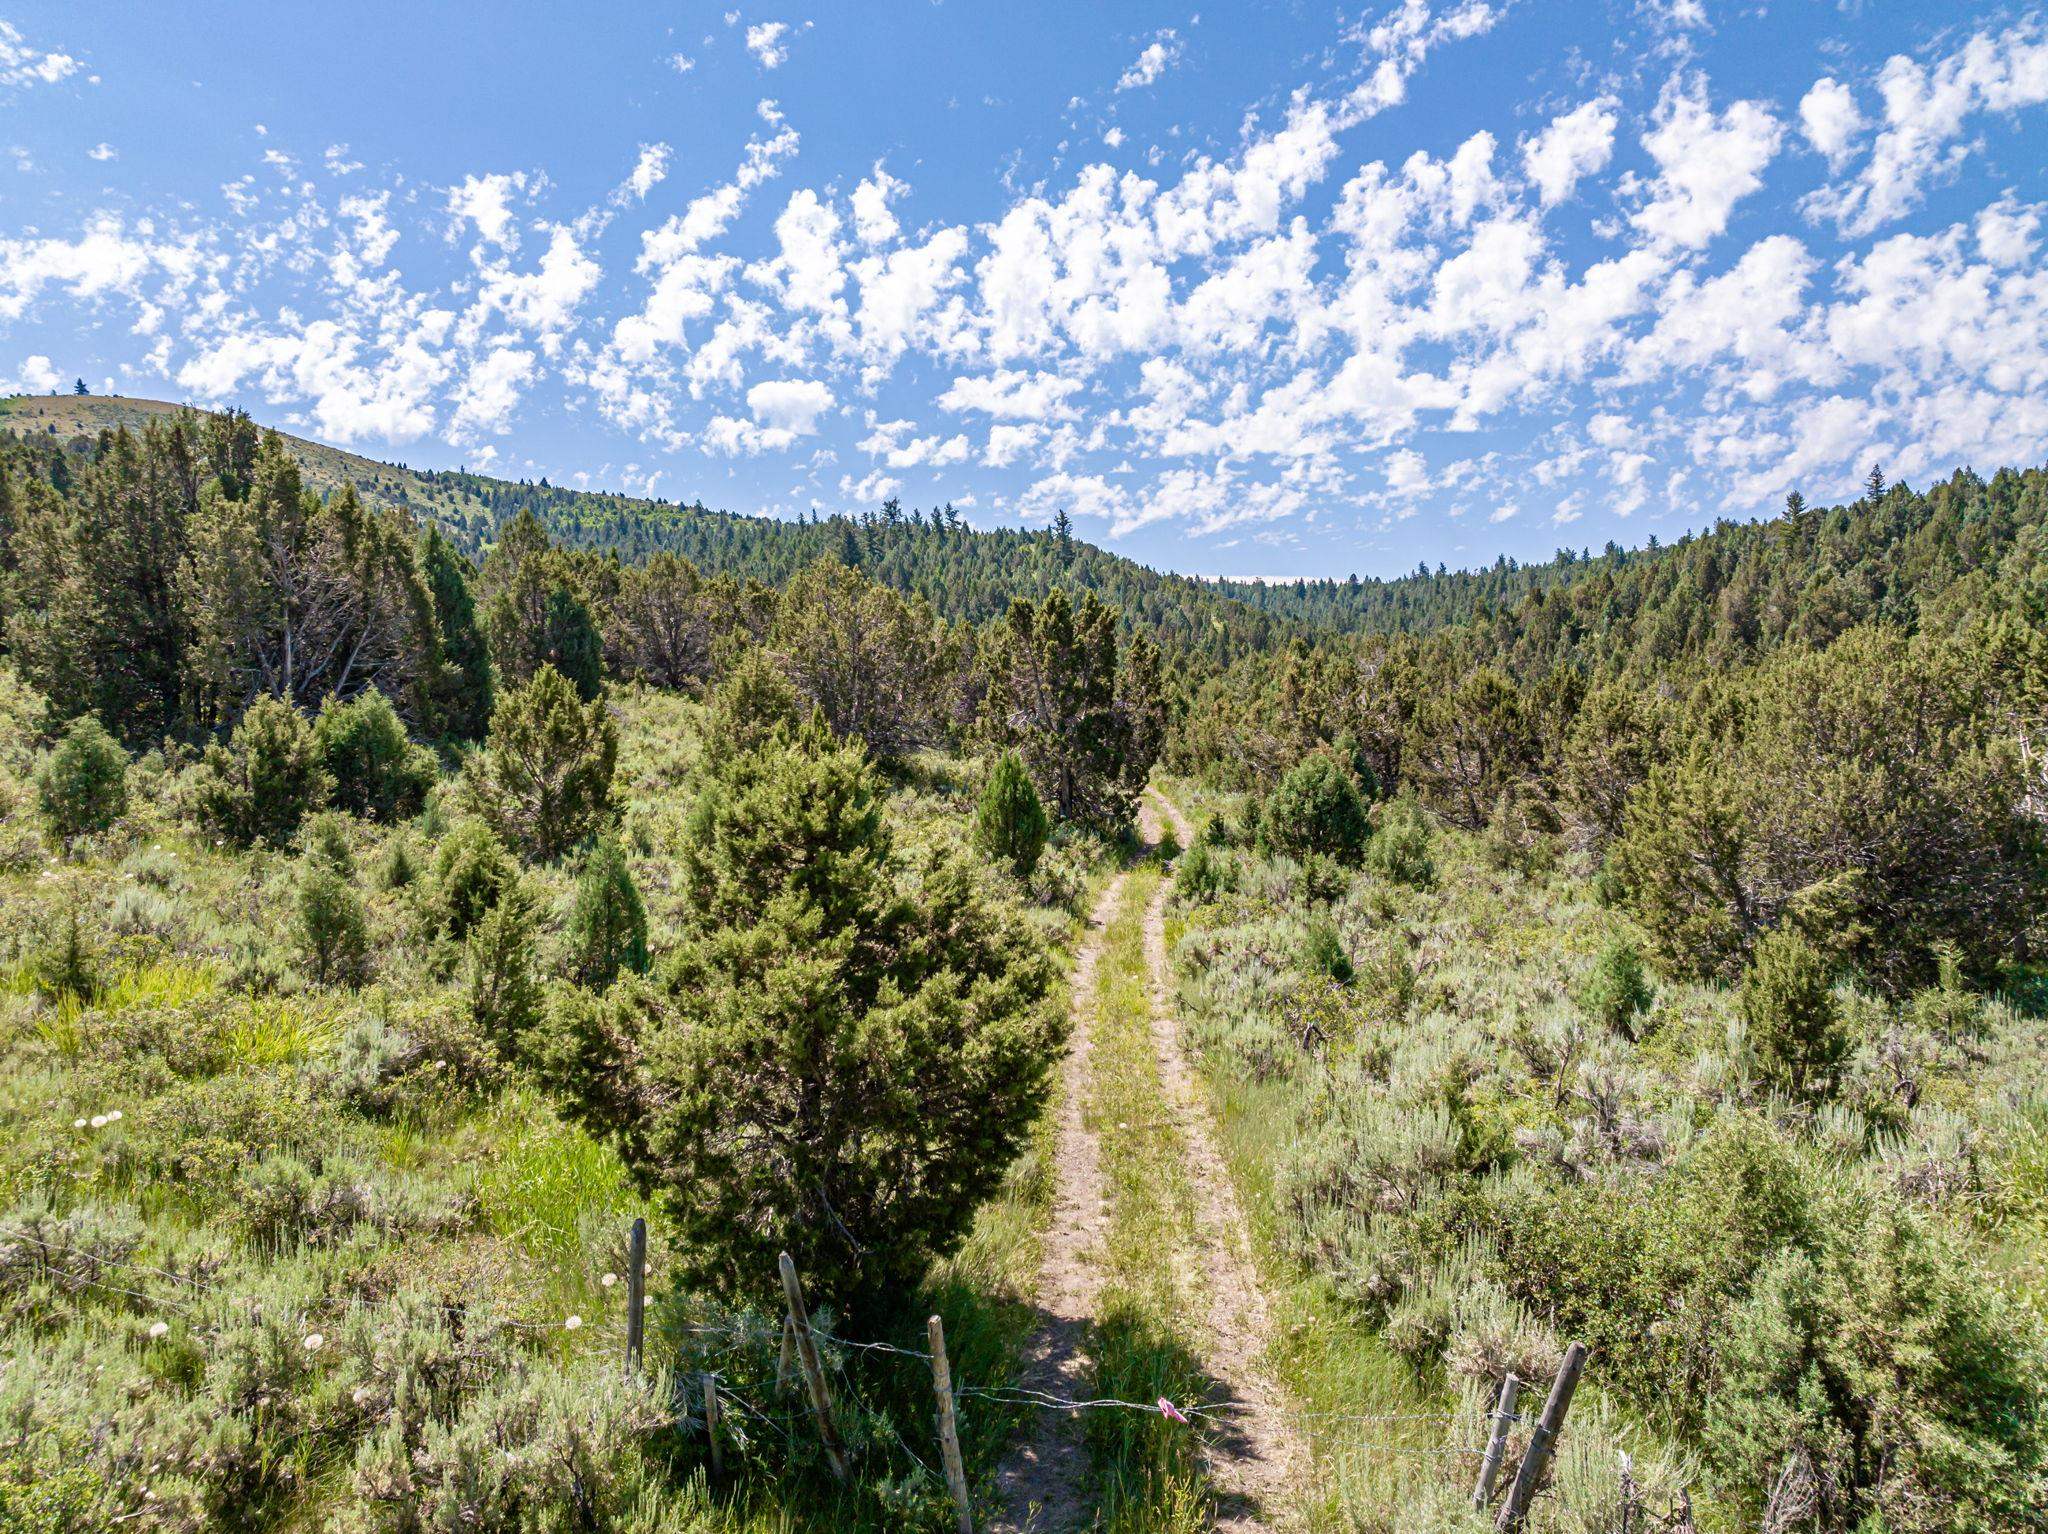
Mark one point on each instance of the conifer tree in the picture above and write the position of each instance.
(1009, 822)
(543, 780)
(841, 1058)
(464, 696)
(608, 925)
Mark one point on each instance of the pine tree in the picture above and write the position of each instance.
(265, 780)
(1795, 1028)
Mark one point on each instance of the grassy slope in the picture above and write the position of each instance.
(242, 1169)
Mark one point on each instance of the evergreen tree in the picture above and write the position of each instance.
(841, 1059)
(331, 930)
(463, 704)
(1317, 810)
(1009, 822)
(543, 780)
(377, 772)
(265, 780)
(608, 925)
(1795, 1027)
(1054, 695)
(84, 786)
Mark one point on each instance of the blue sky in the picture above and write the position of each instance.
(1249, 290)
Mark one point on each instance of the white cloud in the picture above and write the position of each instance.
(486, 201)
(2006, 230)
(1831, 120)
(1706, 162)
(1575, 145)
(490, 393)
(791, 405)
(681, 63)
(1926, 116)
(873, 223)
(35, 377)
(1013, 395)
(103, 153)
(766, 42)
(23, 65)
(1160, 55)
(649, 171)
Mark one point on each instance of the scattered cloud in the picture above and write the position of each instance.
(22, 64)
(1159, 55)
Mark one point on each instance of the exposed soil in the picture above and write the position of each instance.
(1257, 1463)
(1040, 1484)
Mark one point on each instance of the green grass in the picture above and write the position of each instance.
(1147, 1471)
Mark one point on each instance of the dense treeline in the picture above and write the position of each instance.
(1832, 720)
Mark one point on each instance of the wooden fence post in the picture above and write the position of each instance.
(1497, 1441)
(636, 1295)
(1543, 1442)
(1628, 1494)
(711, 1426)
(785, 1361)
(949, 1432)
(814, 1373)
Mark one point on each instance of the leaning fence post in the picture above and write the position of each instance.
(814, 1373)
(1497, 1441)
(636, 1295)
(711, 1426)
(1542, 1442)
(949, 1432)
(1628, 1494)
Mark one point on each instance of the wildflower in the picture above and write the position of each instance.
(98, 1121)
(158, 1330)
(313, 1342)
(78, 1123)
(114, 1117)
(572, 1323)
(609, 1279)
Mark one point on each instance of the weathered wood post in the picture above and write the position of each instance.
(814, 1373)
(636, 1295)
(1497, 1441)
(949, 1431)
(1542, 1442)
(711, 1426)
(785, 1361)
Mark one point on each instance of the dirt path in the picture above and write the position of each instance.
(1258, 1464)
(1039, 1484)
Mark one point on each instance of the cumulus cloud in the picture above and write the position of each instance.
(1013, 395)
(22, 64)
(768, 42)
(649, 171)
(1160, 55)
(1574, 146)
(1924, 136)
(1707, 161)
(1830, 119)
(486, 201)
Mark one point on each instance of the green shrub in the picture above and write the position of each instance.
(1204, 873)
(504, 995)
(1317, 809)
(1322, 950)
(378, 772)
(1400, 847)
(84, 786)
(1616, 991)
(471, 871)
(331, 931)
(66, 959)
(324, 839)
(608, 924)
(1795, 1027)
(1010, 824)
(845, 1052)
(543, 780)
(267, 779)
(399, 866)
